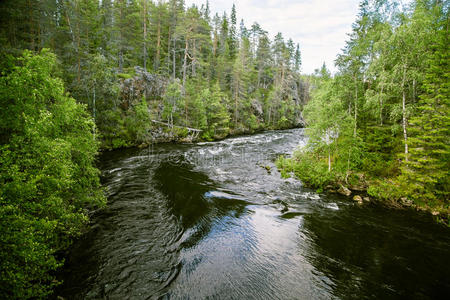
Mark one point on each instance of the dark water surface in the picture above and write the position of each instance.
(208, 221)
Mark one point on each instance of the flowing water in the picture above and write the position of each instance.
(210, 221)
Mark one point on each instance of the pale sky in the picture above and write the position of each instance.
(320, 27)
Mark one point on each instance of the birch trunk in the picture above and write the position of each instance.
(356, 107)
(381, 105)
(404, 120)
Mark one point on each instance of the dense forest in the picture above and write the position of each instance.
(136, 61)
(382, 123)
(81, 75)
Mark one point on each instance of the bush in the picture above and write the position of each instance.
(47, 175)
(312, 172)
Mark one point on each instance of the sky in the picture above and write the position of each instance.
(319, 26)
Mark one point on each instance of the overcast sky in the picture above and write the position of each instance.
(319, 26)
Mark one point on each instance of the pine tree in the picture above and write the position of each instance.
(232, 36)
(297, 59)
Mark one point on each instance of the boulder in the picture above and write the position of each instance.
(344, 191)
(406, 202)
(358, 199)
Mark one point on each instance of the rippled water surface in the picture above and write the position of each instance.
(210, 221)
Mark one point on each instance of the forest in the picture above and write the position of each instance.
(132, 62)
(82, 76)
(382, 123)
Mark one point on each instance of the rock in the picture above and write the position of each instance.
(358, 199)
(358, 188)
(300, 121)
(435, 213)
(406, 202)
(344, 191)
(421, 208)
(257, 108)
(366, 199)
(267, 168)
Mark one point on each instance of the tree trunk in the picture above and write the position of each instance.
(93, 107)
(329, 160)
(158, 42)
(186, 47)
(93, 104)
(215, 44)
(381, 105)
(356, 107)
(78, 45)
(31, 32)
(39, 38)
(236, 95)
(173, 59)
(120, 40)
(404, 120)
(70, 27)
(145, 35)
(193, 60)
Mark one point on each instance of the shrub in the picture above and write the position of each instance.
(47, 175)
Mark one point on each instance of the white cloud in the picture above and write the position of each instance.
(320, 27)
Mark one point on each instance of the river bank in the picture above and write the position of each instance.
(361, 188)
(162, 135)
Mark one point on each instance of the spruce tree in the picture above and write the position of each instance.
(426, 175)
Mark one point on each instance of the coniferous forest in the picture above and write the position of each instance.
(80, 76)
(134, 62)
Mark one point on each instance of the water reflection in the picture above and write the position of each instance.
(378, 253)
(184, 189)
(180, 226)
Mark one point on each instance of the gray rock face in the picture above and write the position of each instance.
(258, 108)
(143, 83)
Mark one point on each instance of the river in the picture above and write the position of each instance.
(209, 220)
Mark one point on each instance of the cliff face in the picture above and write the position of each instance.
(142, 84)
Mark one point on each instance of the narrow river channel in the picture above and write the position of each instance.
(209, 220)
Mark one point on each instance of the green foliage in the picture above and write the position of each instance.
(174, 104)
(47, 175)
(139, 123)
(124, 75)
(304, 165)
(383, 119)
(426, 176)
(101, 44)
